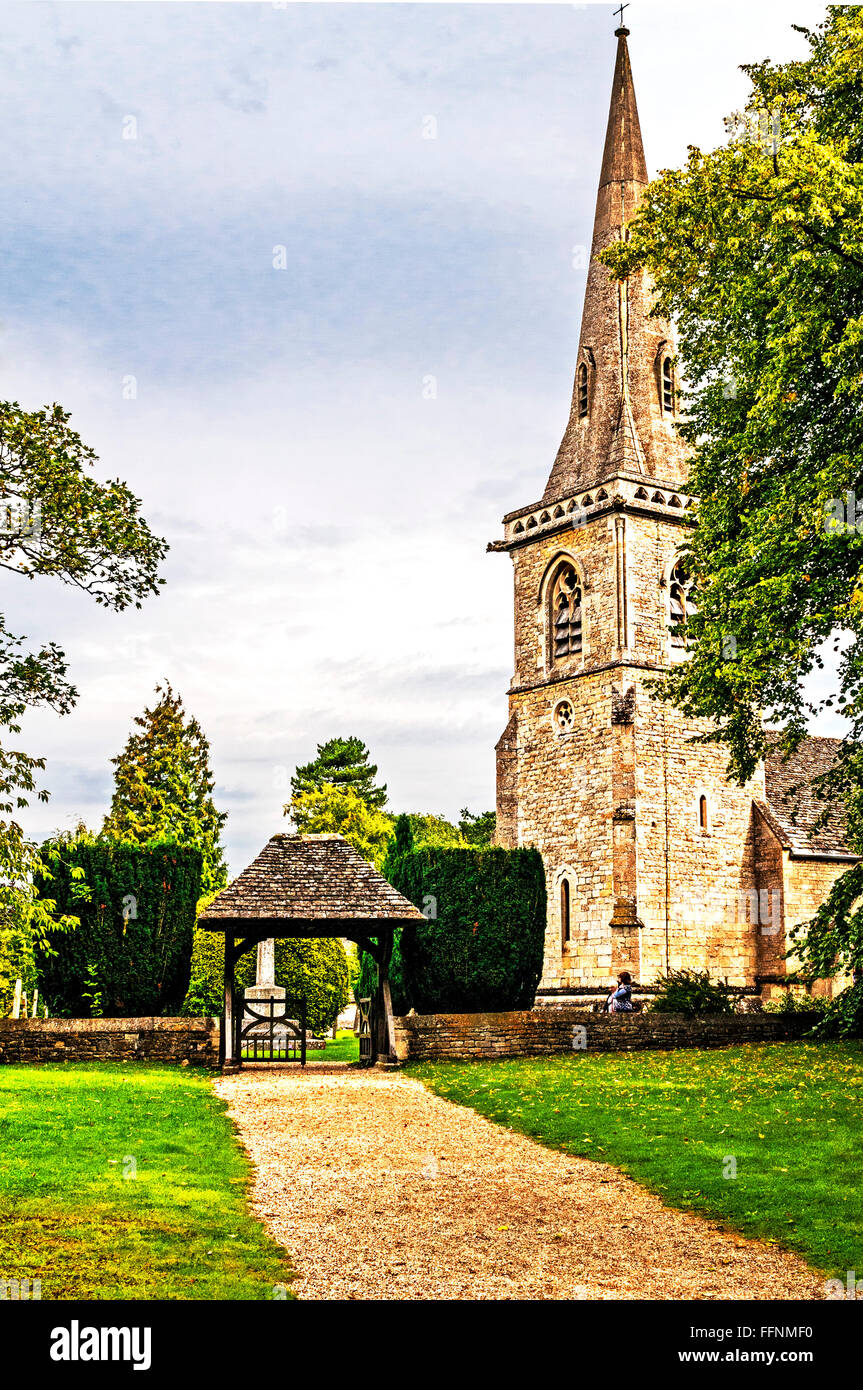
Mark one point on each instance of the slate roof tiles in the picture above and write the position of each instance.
(309, 878)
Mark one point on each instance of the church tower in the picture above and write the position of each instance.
(648, 850)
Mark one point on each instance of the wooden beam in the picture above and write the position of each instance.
(390, 1020)
(228, 1059)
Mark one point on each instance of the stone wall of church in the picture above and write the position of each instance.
(807, 883)
(694, 879)
(767, 906)
(565, 810)
(613, 802)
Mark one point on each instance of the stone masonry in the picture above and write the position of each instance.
(192, 1040)
(546, 1032)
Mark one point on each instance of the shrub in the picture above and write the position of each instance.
(791, 1003)
(843, 1016)
(691, 992)
(316, 969)
(130, 953)
(481, 946)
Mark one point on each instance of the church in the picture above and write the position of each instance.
(654, 859)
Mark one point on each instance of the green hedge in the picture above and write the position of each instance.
(132, 951)
(483, 950)
(316, 969)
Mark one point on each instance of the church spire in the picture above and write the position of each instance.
(623, 405)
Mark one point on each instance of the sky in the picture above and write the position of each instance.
(304, 274)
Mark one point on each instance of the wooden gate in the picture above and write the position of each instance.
(264, 1033)
(364, 1030)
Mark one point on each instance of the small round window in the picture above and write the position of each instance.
(564, 716)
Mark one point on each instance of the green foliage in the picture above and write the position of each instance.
(691, 992)
(315, 969)
(481, 947)
(434, 832)
(756, 249)
(27, 680)
(402, 841)
(91, 993)
(130, 954)
(65, 524)
(164, 787)
(843, 1016)
(329, 811)
(478, 829)
(342, 763)
(354, 968)
(17, 962)
(791, 1003)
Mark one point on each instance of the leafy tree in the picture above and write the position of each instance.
(342, 763)
(433, 831)
(163, 787)
(55, 520)
(756, 249)
(329, 810)
(478, 829)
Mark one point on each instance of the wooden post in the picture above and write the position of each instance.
(390, 1021)
(387, 1032)
(303, 1027)
(16, 1000)
(228, 1018)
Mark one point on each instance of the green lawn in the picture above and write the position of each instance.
(127, 1182)
(344, 1048)
(789, 1114)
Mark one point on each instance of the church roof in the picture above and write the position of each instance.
(792, 804)
(309, 878)
(621, 345)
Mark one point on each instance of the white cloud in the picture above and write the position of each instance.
(328, 523)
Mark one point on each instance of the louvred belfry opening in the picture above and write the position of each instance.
(566, 613)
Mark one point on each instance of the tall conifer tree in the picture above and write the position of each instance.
(163, 787)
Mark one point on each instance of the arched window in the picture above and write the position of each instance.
(702, 813)
(668, 386)
(681, 601)
(566, 613)
(565, 929)
(582, 391)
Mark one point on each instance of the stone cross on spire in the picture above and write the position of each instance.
(618, 422)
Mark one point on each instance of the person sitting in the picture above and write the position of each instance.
(620, 998)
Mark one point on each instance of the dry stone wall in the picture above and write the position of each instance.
(547, 1031)
(192, 1040)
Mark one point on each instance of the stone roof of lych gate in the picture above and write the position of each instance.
(793, 804)
(309, 878)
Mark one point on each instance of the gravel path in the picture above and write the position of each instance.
(381, 1190)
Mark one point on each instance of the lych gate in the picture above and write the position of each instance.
(311, 886)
